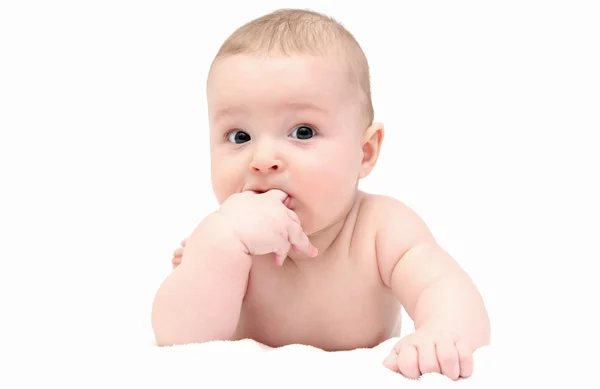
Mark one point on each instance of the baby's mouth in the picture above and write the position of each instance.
(288, 202)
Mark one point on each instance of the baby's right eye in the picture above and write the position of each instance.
(238, 137)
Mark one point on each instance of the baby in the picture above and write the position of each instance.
(296, 253)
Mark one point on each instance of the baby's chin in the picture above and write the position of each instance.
(313, 223)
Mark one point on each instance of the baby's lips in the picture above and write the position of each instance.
(280, 194)
(288, 201)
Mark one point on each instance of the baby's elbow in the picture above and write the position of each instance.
(162, 327)
(162, 337)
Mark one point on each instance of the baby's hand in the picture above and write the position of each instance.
(264, 225)
(178, 254)
(431, 352)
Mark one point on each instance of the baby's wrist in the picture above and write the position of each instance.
(219, 239)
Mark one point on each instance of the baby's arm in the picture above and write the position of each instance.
(433, 289)
(201, 299)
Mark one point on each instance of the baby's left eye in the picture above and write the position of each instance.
(303, 132)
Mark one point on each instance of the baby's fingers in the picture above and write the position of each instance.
(281, 254)
(300, 241)
(294, 216)
(465, 356)
(176, 261)
(408, 362)
(448, 358)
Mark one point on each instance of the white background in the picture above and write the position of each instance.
(492, 114)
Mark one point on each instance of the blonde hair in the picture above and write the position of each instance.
(297, 31)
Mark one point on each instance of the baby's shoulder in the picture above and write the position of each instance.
(385, 212)
(396, 226)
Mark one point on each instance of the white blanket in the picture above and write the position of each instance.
(250, 364)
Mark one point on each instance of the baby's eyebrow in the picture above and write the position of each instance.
(230, 110)
(302, 106)
(233, 110)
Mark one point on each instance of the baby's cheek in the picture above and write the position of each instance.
(336, 187)
(225, 181)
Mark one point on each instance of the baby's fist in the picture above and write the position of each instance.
(427, 351)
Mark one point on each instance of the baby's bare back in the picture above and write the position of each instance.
(335, 302)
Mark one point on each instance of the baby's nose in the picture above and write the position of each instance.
(265, 165)
(266, 158)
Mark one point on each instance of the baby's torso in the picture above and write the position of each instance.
(336, 303)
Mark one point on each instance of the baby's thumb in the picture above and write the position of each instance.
(277, 194)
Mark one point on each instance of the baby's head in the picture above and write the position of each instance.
(290, 107)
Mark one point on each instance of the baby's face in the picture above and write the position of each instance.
(291, 123)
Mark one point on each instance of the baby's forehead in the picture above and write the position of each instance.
(277, 63)
(297, 77)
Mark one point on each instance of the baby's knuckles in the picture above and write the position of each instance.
(255, 218)
(447, 355)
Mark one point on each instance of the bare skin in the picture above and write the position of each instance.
(292, 303)
(248, 271)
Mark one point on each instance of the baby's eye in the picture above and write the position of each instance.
(303, 132)
(238, 137)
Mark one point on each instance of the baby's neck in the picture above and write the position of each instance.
(325, 239)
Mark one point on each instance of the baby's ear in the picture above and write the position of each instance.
(371, 147)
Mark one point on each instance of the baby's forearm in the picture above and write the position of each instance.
(201, 299)
(452, 303)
